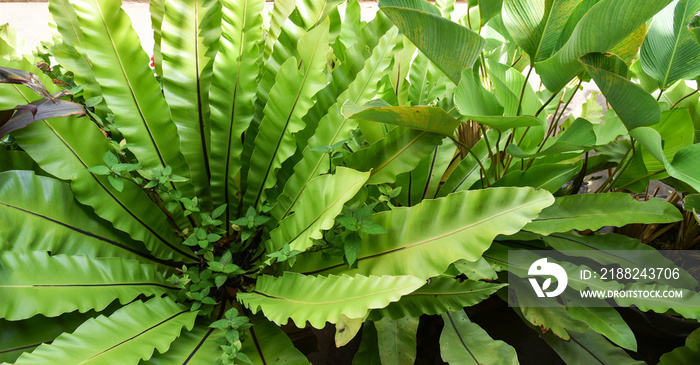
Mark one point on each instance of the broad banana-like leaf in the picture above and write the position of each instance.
(593, 211)
(265, 343)
(464, 342)
(128, 335)
(428, 119)
(537, 25)
(619, 18)
(190, 32)
(128, 86)
(670, 52)
(18, 337)
(316, 210)
(628, 49)
(509, 84)
(290, 99)
(471, 98)
(333, 128)
(694, 27)
(449, 45)
(634, 106)
(554, 319)
(440, 295)
(684, 355)
(503, 124)
(320, 299)
(691, 203)
(682, 167)
(424, 239)
(397, 340)
(589, 348)
(198, 346)
(231, 97)
(608, 322)
(28, 201)
(550, 177)
(446, 7)
(36, 283)
(400, 151)
(676, 130)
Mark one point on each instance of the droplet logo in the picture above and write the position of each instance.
(543, 268)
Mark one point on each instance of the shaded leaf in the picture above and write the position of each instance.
(589, 348)
(397, 340)
(687, 354)
(439, 296)
(464, 342)
(608, 322)
(197, 346)
(593, 211)
(265, 343)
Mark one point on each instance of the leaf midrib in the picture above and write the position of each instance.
(133, 337)
(343, 300)
(286, 124)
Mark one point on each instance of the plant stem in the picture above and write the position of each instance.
(555, 121)
(642, 178)
(546, 103)
(661, 92)
(522, 92)
(478, 160)
(683, 98)
(486, 140)
(610, 181)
